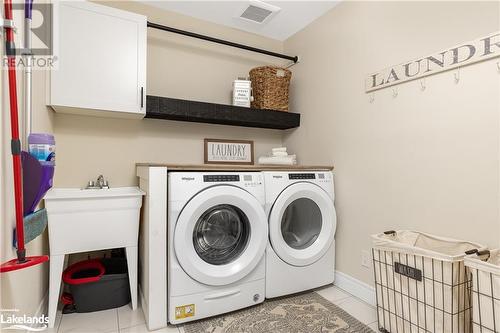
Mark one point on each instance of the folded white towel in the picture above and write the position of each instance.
(281, 160)
(279, 149)
(280, 153)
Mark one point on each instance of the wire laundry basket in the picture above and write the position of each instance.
(485, 269)
(421, 283)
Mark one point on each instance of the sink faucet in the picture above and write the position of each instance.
(100, 181)
(99, 184)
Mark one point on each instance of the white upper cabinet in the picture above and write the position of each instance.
(101, 61)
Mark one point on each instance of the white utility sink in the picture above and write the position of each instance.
(82, 220)
(85, 220)
(77, 193)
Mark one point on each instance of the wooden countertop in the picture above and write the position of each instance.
(229, 167)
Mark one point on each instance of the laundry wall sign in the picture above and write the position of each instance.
(218, 151)
(464, 54)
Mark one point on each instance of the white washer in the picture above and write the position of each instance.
(300, 254)
(217, 236)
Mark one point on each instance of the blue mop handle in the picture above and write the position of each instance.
(28, 9)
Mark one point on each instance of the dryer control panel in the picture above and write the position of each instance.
(276, 181)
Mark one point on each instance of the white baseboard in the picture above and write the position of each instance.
(355, 287)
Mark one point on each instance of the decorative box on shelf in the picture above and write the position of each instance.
(242, 92)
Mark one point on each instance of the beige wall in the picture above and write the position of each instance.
(423, 160)
(178, 67)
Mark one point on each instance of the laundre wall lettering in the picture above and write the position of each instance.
(464, 54)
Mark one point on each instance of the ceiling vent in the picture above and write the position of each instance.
(259, 12)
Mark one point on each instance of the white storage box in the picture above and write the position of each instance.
(485, 269)
(242, 93)
(421, 283)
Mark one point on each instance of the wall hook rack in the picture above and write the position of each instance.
(422, 85)
(295, 59)
(394, 93)
(457, 75)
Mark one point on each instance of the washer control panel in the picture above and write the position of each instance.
(184, 185)
(295, 176)
(252, 179)
(221, 178)
(244, 179)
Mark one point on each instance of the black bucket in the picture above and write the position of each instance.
(97, 284)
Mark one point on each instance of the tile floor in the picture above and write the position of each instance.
(124, 320)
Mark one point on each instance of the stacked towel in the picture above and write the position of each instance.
(281, 160)
(279, 150)
(278, 156)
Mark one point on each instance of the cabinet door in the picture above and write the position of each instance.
(101, 60)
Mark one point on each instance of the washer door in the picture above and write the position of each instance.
(302, 224)
(220, 235)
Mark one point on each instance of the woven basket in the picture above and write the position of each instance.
(270, 86)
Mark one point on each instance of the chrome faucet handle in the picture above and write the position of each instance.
(91, 185)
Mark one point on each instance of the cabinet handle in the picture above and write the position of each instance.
(142, 97)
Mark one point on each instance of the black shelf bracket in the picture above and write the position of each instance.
(295, 59)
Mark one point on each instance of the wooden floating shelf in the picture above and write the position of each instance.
(232, 167)
(202, 112)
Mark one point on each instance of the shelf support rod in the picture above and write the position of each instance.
(295, 59)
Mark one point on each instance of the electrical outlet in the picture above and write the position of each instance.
(366, 259)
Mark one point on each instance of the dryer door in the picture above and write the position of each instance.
(220, 235)
(302, 224)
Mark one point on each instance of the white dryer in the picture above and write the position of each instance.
(217, 236)
(300, 254)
